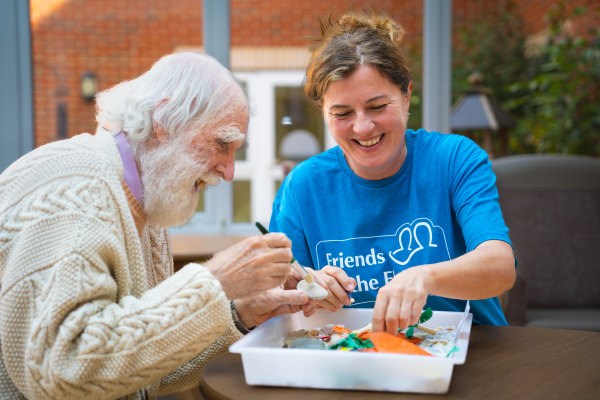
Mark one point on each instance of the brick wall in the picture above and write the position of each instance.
(532, 10)
(278, 23)
(114, 39)
(117, 40)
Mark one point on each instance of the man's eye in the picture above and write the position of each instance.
(223, 145)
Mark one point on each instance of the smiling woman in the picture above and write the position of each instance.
(367, 116)
(363, 85)
(384, 187)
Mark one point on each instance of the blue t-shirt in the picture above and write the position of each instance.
(441, 204)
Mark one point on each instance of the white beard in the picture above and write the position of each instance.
(169, 174)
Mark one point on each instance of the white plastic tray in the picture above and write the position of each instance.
(267, 363)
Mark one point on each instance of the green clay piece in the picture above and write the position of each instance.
(425, 316)
(454, 349)
(352, 342)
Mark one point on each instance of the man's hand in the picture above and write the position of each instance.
(253, 265)
(257, 309)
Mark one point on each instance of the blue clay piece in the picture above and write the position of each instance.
(307, 343)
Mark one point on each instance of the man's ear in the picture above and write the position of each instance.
(159, 130)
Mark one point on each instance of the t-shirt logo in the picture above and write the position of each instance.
(374, 260)
(414, 237)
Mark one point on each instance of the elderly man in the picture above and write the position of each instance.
(89, 304)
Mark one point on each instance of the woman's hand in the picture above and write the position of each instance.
(484, 272)
(400, 302)
(334, 280)
(253, 265)
(338, 284)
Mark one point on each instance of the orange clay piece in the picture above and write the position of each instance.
(341, 329)
(414, 339)
(387, 343)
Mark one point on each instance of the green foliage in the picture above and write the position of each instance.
(416, 106)
(560, 99)
(553, 93)
(495, 47)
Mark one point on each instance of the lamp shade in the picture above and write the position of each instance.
(299, 145)
(89, 86)
(477, 110)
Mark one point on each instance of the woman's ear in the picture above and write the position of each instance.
(409, 89)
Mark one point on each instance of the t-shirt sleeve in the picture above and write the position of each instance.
(475, 197)
(286, 218)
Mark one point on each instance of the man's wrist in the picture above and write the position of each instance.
(237, 320)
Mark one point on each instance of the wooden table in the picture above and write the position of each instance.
(502, 363)
(199, 248)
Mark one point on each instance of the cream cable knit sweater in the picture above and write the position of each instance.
(77, 317)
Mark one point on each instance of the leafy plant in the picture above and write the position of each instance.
(416, 107)
(552, 93)
(494, 47)
(559, 101)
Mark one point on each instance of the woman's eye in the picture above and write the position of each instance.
(380, 107)
(342, 115)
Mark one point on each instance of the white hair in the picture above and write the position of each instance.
(179, 91)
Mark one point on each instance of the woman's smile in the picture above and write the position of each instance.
(370, 143)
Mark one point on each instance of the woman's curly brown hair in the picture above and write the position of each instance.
(351, 41)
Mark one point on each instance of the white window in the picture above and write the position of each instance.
(284, 127)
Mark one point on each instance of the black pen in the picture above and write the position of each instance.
(306, 276)
(294, 263)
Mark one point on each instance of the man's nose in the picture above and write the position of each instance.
(226, 168)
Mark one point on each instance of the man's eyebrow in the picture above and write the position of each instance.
(230, 135)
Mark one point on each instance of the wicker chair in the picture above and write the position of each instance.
(551, 204)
